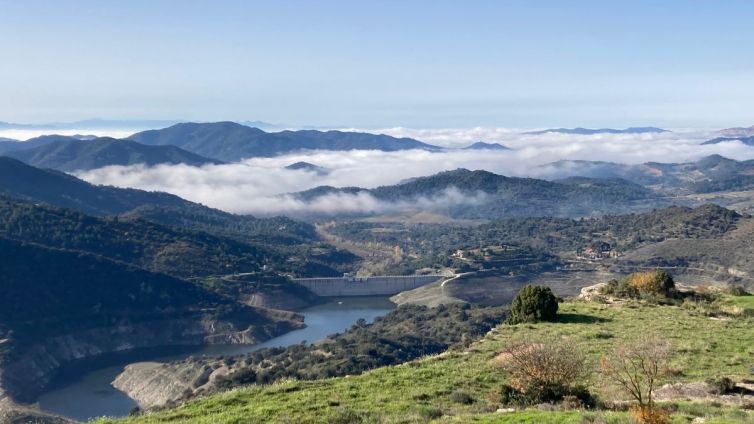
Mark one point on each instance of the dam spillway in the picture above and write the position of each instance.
(365, 286)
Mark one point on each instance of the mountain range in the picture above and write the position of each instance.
(192, 144)
(708, 174)
(20, 180)
(484, 195)
(229, 141)
(747, 140)
(291, 246)
(592, 131)
(9, 145)
(72, 154)
(737, 132)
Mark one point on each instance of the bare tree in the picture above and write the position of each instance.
(636, 367)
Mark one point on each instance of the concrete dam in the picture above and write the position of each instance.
(365, 286)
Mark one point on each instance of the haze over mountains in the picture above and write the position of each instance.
(747, 140)
(592, 131)
(10, 145)
(253, 151)
(191, 144)
(481, 194)
(711, 173)
(737, 132)
(230, 141)
(142, 248)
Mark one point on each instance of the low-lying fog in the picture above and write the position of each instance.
(255, 185)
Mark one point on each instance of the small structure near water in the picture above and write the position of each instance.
(365, 286)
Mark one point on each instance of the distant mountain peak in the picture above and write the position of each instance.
(749, 141)
(737, 132)
(310, 167)
(481, 145)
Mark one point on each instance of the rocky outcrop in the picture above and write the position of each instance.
(13, 413)
(30, 370)
(153, 384)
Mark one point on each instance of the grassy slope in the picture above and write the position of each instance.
(417, 391)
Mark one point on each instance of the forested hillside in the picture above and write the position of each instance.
(172, 250)
(78, 155)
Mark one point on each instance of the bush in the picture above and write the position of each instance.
(721, 385)
(652, 282)
(544, 371)
(649, 285)
(533, 304)
(430, 413)
(345, 416)
(459, 396)
(570, 397)
(736, 290)
(648, 415)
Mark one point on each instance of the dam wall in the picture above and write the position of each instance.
(365, 286)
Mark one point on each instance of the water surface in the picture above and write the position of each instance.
(86, 392)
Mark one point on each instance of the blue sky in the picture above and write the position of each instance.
(381, 63)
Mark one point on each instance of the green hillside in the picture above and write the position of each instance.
(292, 245)
(20, 180)
(46, 291)
(154, 247)
(428, 389)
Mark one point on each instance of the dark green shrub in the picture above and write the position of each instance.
(736, 290)
(535, 394)
(430, 412)
(345, 415)
(721, 385)
(459, 396)
(533, 304)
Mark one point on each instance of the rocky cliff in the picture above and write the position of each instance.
(29, 371)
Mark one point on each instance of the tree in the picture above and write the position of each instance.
(533, 304)
(636, 367)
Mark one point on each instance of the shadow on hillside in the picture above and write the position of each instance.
(581, 319)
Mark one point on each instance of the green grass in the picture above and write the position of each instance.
(420, 390)
(742, 305)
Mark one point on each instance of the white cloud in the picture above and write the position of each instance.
(255, 185)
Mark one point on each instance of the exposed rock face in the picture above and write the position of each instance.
(591, 292)
(740, 394)
(30, 371)
(153, 384)
(13, 413)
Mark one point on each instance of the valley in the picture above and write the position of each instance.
(130, 382)
(376, 212)
(149, 302)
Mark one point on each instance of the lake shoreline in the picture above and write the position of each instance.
(78, 398)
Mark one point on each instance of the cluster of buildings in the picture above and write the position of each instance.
(603, 250)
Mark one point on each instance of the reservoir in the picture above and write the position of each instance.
(87, 393)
